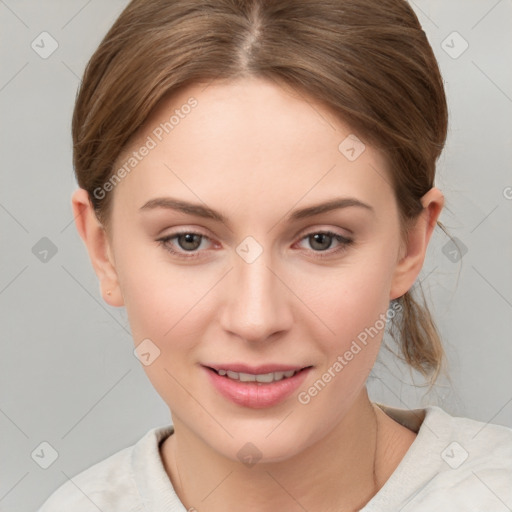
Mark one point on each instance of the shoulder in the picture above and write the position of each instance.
(455, 463)
(476, 468)
(474, 444)
(107, 485)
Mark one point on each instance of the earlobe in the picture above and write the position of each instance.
(419, 234)
(96, 241)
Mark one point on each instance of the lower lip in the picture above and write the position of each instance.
(253, 394)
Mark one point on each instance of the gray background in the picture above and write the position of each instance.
(68, 373)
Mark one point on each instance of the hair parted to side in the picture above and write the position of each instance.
(368, 61)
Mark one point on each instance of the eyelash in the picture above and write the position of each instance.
(345, 243)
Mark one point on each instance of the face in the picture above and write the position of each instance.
(249, 275)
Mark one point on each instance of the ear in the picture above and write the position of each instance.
(410, 264)
(95, 239)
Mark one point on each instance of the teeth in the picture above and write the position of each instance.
(265, 377)
(248, 377)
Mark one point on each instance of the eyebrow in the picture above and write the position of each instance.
(207, 213)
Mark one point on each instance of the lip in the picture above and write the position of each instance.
(256, 395)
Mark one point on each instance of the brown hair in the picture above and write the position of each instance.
(368, 61)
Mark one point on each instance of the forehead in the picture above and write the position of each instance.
(235, 142)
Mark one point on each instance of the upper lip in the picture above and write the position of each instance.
(255, 370)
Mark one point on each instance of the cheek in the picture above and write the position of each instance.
(352, 307)
(355, 310)
(159, 294)
(166, 301)
(166, 306)
(351, 298)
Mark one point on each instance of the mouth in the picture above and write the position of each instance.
(256, 387)
(260, 375)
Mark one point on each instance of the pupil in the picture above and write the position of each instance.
(189, 239)
(322, 236)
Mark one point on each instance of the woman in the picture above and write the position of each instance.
(257, 189)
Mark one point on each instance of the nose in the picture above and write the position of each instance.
(257, 301)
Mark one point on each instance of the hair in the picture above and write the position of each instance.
(369, 62)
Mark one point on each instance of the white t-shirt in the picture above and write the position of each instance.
(454, 464)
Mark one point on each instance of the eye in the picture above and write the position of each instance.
(188, 241)
(321, 241)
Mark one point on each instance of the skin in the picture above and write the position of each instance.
(255, 151)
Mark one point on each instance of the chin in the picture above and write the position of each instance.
(252, 445)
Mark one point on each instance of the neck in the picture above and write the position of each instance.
(204, 479)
